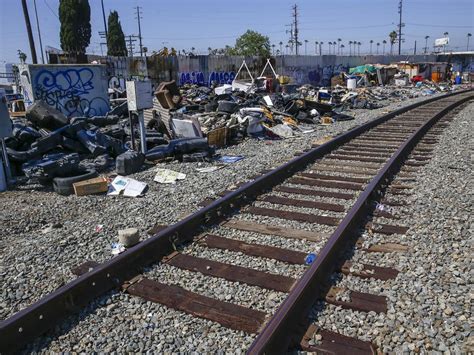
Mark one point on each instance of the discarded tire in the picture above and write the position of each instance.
(63, 185)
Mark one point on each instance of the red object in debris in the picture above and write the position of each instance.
(417, 78)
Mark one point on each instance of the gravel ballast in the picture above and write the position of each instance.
(47, 234)
(430, 302)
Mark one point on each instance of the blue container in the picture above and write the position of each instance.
(458, 80)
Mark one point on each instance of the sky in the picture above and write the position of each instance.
(184, 24)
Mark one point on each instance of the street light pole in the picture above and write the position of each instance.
(30, 33)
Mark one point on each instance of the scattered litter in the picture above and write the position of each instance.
(310, 258)
(99, 228)
(117, 248)
(229, 159)
(210, 169)
(127, 187)
(166, 176)
(91, 186)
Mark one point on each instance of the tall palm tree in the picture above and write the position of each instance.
(334, 45)
(321, 48)
(306, 47)
(469, 35)
(316, 47)
(358, 48)
(281, 46)
(209, 49)
(342, 49)
(273, 49)
(378, 45)
(384, 43)
(350, 48)
(287, 46)
(393, 38)
(339, 45)
(426, 43)
(371, 41)
(329, 47)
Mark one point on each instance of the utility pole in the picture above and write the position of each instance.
(400, 25)
(39, 32)
(105, 22)
(139, 30)
(30, 33)
(131, 45)
(295, 26)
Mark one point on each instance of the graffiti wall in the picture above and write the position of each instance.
(75, 90)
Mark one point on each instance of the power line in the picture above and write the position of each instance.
(50, 9)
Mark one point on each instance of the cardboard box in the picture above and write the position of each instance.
(91, 186)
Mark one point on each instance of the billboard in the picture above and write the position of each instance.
(439, 42)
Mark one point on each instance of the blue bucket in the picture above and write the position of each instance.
(458, 80)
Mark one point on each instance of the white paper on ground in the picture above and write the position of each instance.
(166, 176)
(127, 186)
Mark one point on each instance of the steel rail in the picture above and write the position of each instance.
(278, 333)
(33, 321)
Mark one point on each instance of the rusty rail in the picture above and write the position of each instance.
(33, 321)
(276, 336)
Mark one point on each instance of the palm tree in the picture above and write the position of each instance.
(469, 35)
(287, 46)
(378, 45)
(371, 41)
(339, 45)
(350, 48)
(393, 38)
(358, 48)
(426, 43)
(281, 46)
(334, 45)
(320, 48)
(316, 47)
(192, 50)
(273, 49)
(342, 49)
(209, 49)
(384, 43)
(305, 47)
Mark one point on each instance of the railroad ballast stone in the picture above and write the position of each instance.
(145, 212)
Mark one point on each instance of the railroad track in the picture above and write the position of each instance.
(324, 200)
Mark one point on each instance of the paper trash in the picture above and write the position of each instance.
(166, 176)
(126, 186)
(227, 159)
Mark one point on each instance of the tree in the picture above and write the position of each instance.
(469, 35)
(393, 38)
(115, 38)
(75, 32)
(350, 47)
(339, 45)
(371, 41)
(252, 43)
(384, 43)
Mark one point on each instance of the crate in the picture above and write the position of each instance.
(91, 186)
(219, 137)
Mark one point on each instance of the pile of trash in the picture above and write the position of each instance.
(197, 111)
(52, 149)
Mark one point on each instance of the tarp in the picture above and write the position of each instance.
(362, 69)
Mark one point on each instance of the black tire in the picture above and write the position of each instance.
(63, 185)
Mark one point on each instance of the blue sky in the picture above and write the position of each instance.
(202, 24)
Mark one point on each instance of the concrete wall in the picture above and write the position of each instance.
(75, 90)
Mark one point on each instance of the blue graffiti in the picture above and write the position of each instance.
(69, 91)
(192, 78)
(221, 77)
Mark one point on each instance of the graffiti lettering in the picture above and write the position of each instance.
(192, 78)
(221, 77)
(69, 91)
